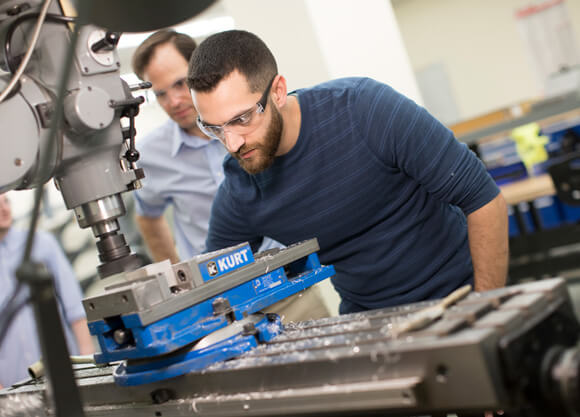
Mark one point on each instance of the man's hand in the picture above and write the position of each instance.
(488, 242)
(83, 337)
(158, 238)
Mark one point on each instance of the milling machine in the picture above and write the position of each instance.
(188, 339)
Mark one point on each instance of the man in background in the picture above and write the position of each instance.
(183, 167)
(20, 348)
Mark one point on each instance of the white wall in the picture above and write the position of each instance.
(574, 9)
(374, 49)
(313, 41)
(478, 44)
(317, 40)
(285, 27)
(474, 45)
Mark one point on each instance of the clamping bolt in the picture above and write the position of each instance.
(221, 306)
(122, 336)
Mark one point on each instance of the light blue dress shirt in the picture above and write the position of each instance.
(20, 348)
(185, 172)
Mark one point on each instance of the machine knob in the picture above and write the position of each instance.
(107, 43)
(87, 109)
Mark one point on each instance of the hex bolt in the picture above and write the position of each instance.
(221, 306)
(249, 329)
(121, 336)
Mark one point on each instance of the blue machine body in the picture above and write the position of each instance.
(128, 374)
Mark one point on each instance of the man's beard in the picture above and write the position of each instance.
(264, 153)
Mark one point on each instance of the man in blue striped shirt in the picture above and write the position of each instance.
(401, 209)
(183, 167)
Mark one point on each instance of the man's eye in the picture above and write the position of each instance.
(214, 130)
(242, 120)
(180, 83)
(160, 94)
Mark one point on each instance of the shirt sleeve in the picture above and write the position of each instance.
(406, 137)
(66, 284)
(152, 199)
(227, 226)
(149, 204)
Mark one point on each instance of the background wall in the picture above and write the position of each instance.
(479, 47)
(459, 58)
(318, 40)
(312, 40)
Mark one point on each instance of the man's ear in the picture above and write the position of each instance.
(279, 90)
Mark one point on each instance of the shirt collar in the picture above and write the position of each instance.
(182, 138)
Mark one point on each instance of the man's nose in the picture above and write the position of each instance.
(234, 141)
(173, 98)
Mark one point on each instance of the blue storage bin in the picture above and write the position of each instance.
(507, 174)
(556, 133)
(527, 217)
(571, 214)
(513, 228)
(549, 212)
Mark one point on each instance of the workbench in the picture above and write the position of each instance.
(545, 251)
(528, 189)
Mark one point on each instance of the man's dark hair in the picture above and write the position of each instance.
(220, 54)
(184, 44)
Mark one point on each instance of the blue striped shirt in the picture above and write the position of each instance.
(381, 183)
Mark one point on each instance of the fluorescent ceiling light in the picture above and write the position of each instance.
(195, 29)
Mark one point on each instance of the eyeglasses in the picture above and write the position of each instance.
(241, 124)
(178, 86)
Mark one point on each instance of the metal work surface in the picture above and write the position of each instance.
(511, 349)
